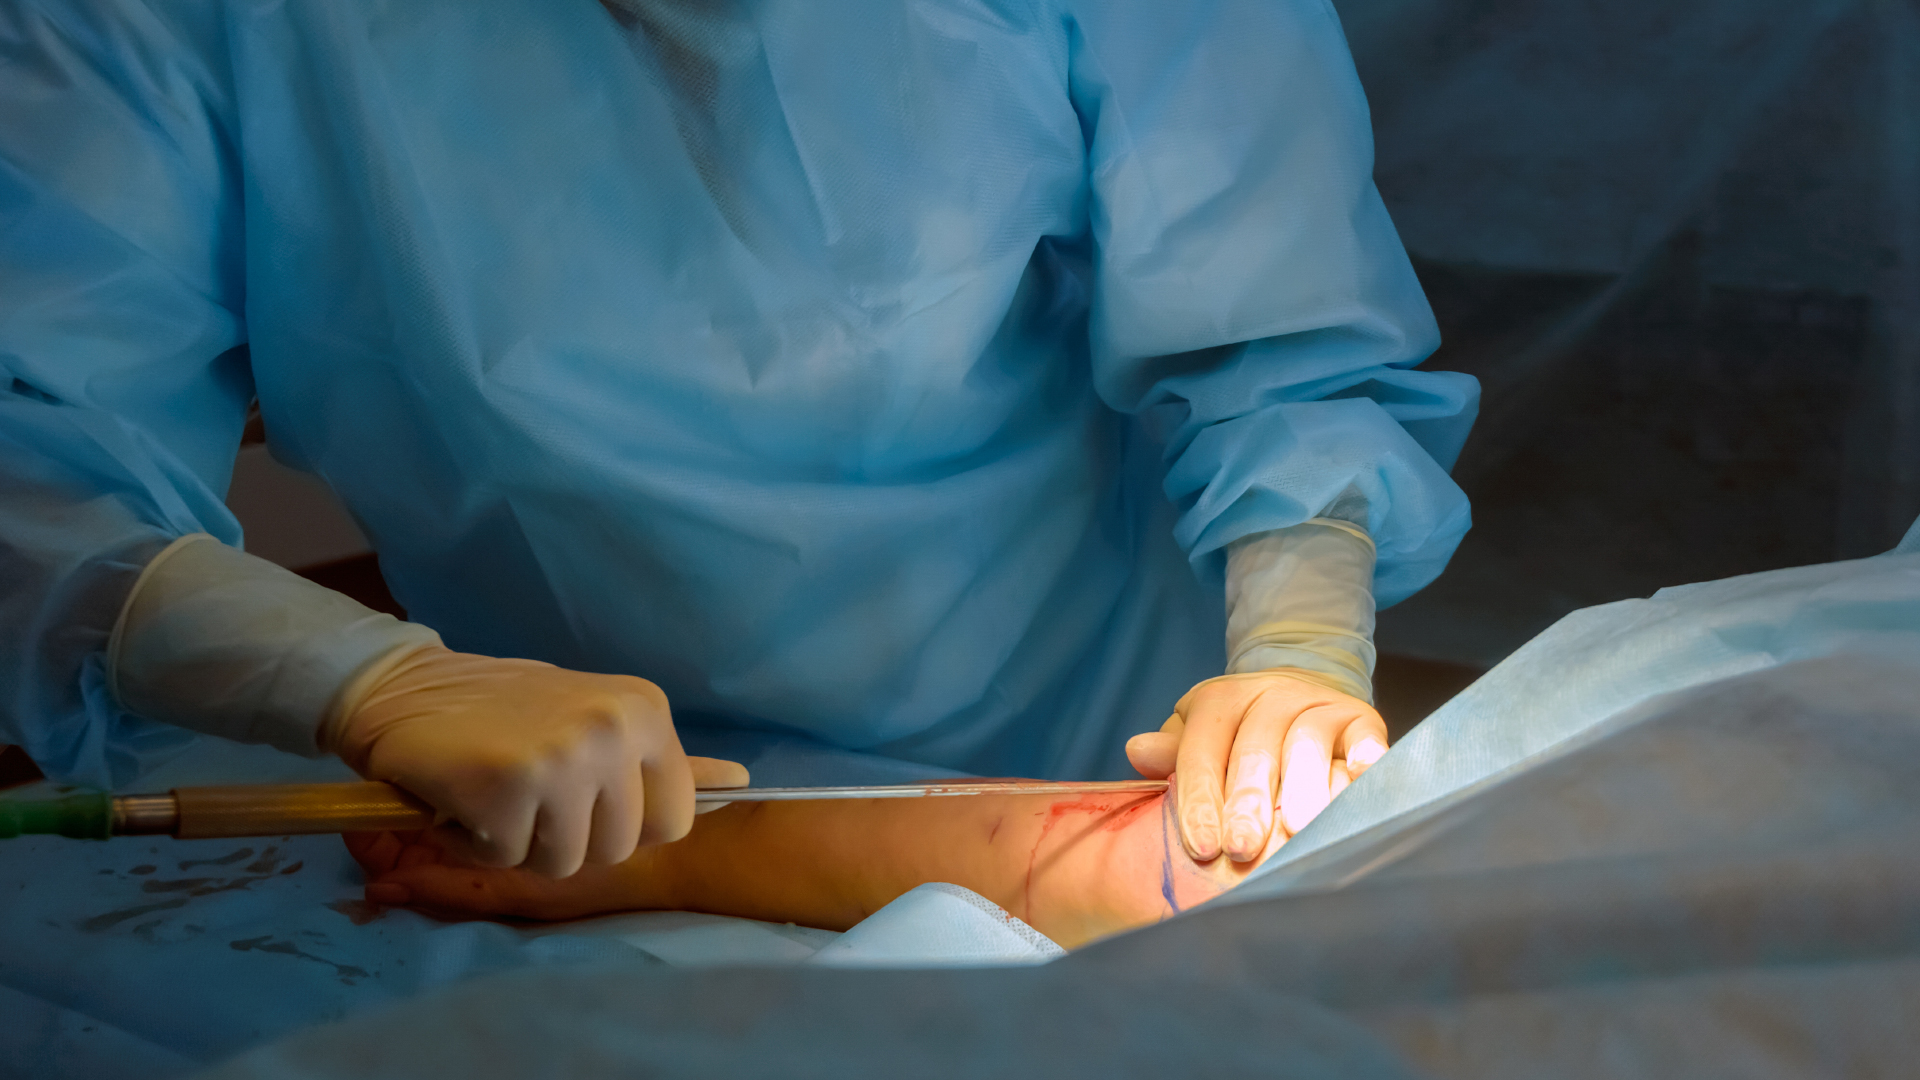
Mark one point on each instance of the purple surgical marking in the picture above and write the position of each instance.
(1167, 827)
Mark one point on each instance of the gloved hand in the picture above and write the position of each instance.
(1246, 746)
(547, 769)
(1289, 725)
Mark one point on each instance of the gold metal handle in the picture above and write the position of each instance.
(286, 809)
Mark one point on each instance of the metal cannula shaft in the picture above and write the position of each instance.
(198, 813)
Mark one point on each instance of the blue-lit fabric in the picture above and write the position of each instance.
(871, 371)
(1597, 671)
(1641, 823)
(1721, 882)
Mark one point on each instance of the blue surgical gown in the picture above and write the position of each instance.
(891, 372)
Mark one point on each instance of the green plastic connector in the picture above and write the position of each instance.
(83, 815)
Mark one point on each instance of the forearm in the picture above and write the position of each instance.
(830, 863)
(1074, 868)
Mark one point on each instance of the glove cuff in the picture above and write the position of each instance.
(218, 641)
(1302, 598)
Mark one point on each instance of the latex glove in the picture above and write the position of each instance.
(1257, 752)
(547, 769)
(553, 768)
(1289, 726)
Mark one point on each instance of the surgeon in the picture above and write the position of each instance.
(946, 380)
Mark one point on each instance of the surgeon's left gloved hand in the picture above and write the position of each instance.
(547, 768)
(1263, 749)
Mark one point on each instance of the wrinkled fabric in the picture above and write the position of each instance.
(1719, 882)
(839, 1025)
(1554, 693)
(939, 925)
(1610, 840)
(876, 374)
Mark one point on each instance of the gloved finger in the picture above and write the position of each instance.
(712, 773)
(1253, 775)
(1153, 754)
(1306, 778)
(500, 834)
(1158, 750)
(561, 830)
(1362, 742)
(616, 828)
(1341, 778)
(1206, 741)
(666, 792)
(717, 773)
(1276, 838)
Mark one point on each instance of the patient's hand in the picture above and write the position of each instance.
(1075, 868)
(432, 871)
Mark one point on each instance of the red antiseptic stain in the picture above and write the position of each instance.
(1122, 808)
(1129, 807)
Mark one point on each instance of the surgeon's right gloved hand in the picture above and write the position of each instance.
(546, 767)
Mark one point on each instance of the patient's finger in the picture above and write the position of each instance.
(374, 851)
(387, 894)
(449, 891)
(416, 855)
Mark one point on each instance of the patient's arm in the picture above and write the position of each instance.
(1075, 868)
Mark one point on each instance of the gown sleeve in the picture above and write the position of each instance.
(124, 377)
(1251, 297)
